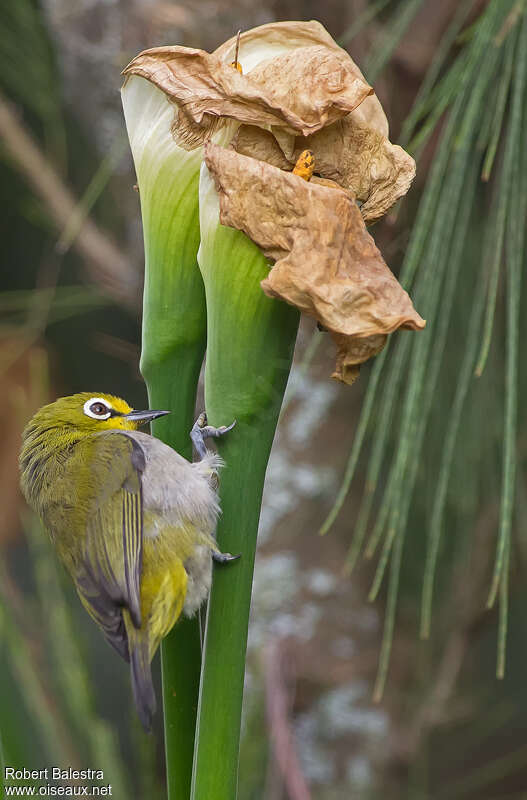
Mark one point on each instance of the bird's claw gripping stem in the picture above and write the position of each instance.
(201, 431)
(224, 558)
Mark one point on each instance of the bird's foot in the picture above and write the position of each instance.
(201, 431)
(224, 558)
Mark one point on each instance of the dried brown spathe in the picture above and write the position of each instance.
(278, 38)
(363, 160)
(298, 92)
(348, 152)
(326, 263)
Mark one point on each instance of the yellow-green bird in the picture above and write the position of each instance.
(132, 520)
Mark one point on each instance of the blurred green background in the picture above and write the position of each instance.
(443, 451)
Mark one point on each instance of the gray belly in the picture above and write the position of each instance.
(180, 492)
(199, 571)
(174, 488)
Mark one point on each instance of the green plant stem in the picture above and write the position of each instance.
(180, 669)
(250, 347)
(174, 335)
(181, 649)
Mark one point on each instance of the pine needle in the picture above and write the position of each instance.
(497, 247)
(399, 520)
(426, 214)
(455, 264)
(462, 387)
(389, 619)
(429, 290)
(497, 112)
(515, 252)
(392, 35)
(369, 13)
(357, 444)
(446, 217)
(440, 55)
(503, 614)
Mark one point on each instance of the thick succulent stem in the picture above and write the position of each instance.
(173, 351)
(174, 337)
(250, 342)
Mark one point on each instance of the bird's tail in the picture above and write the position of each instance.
(141, 674)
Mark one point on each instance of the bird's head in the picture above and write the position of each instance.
(64, 423)
(91, 412)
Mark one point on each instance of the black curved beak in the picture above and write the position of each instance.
(144, 416)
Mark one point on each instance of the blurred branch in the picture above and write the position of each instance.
(105, 264)
(282, 739)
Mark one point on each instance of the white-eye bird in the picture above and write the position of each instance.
(132, 520)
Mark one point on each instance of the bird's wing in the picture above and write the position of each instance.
(109, 572)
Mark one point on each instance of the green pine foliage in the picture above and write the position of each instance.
(463, 267)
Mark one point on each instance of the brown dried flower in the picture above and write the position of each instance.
(293, 89)
(326, 263)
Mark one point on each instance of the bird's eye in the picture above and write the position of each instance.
(97, 409)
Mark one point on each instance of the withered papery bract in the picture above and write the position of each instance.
(348, 152)
(326, 263)
(278, 38)
(298, 91)
(361, 159)
(354, 151)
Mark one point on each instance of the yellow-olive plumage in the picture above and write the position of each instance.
(131, 519)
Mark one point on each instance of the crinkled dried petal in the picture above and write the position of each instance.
(250, 140)
(370, 114)
(358, 158)
(352, 352)
(203, 88)
(319, 84)
(276, 38)
(363, 161)
(327, 264)
(299, 91)
(262, 145)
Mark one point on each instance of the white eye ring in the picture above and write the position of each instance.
(89, 413)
